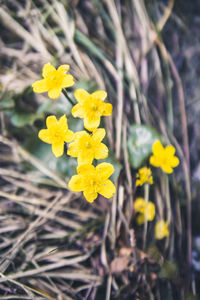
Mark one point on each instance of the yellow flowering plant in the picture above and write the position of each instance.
(146, 210)
(87, 147)
(164, 157)
(143, 176)
(84, 146)
(57, 133)
(93, 181)
(91, 107)
(54, 80)
(161, 229)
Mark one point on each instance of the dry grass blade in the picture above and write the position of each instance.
(19, 30)
(68, 29)
(34, 161)
(129, 64)
(23, 238)
(52, 266)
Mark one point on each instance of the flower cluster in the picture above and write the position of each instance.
(144, 176)
(163, 157)
(161, 229)
(87, 145)
(146, 210)
(83, 145)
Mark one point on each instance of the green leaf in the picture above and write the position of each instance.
(169, 270)
(7, 101)
(140, 141)
(62, 106)
(64, 165)
(89, 85)
(75, 124)
(22, 119)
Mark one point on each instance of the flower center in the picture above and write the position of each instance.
(55, 79)
(87, 145)
(94, 107)
(164, 160)
(94, 184)
(57, 135)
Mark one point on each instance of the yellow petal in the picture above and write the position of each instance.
(85, 169)
(101, 151)
(54, 93)
(68, 81)
(140, 219)
(167, 169)
(98, 134)
(44, 136)
(140, 205)
(47, 70)
(151, 180)
(161, 229)
(100, 95)
(150, 211)
(78, 111)
(63, 121)
(108, 189)
(107, 109)
(81, 95)
(157, 148)
(170, 150)
(63, 69)
(40, 86)
(105, 170)
(58, 149)
(76, 183)
(85, 157)
(154, 161)
(91, 123)
(73, 149)
(90, 196)
(138, 182)
(51, 121)
(79, 134)
(174, 161)
(69, 136)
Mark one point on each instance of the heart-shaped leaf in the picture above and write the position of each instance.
(140, 141)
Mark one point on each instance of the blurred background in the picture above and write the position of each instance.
(146, 55)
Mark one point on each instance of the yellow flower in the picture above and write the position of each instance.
(54, 80)
(88, 147)
(93, 181)
(161, 229)
(139, 205)
(91, 107)
(164, 157)
(57, 133)
(146, 210)
(144, 175)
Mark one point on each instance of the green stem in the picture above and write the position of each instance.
(146, 199)
(67, 96)
(168, 206)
